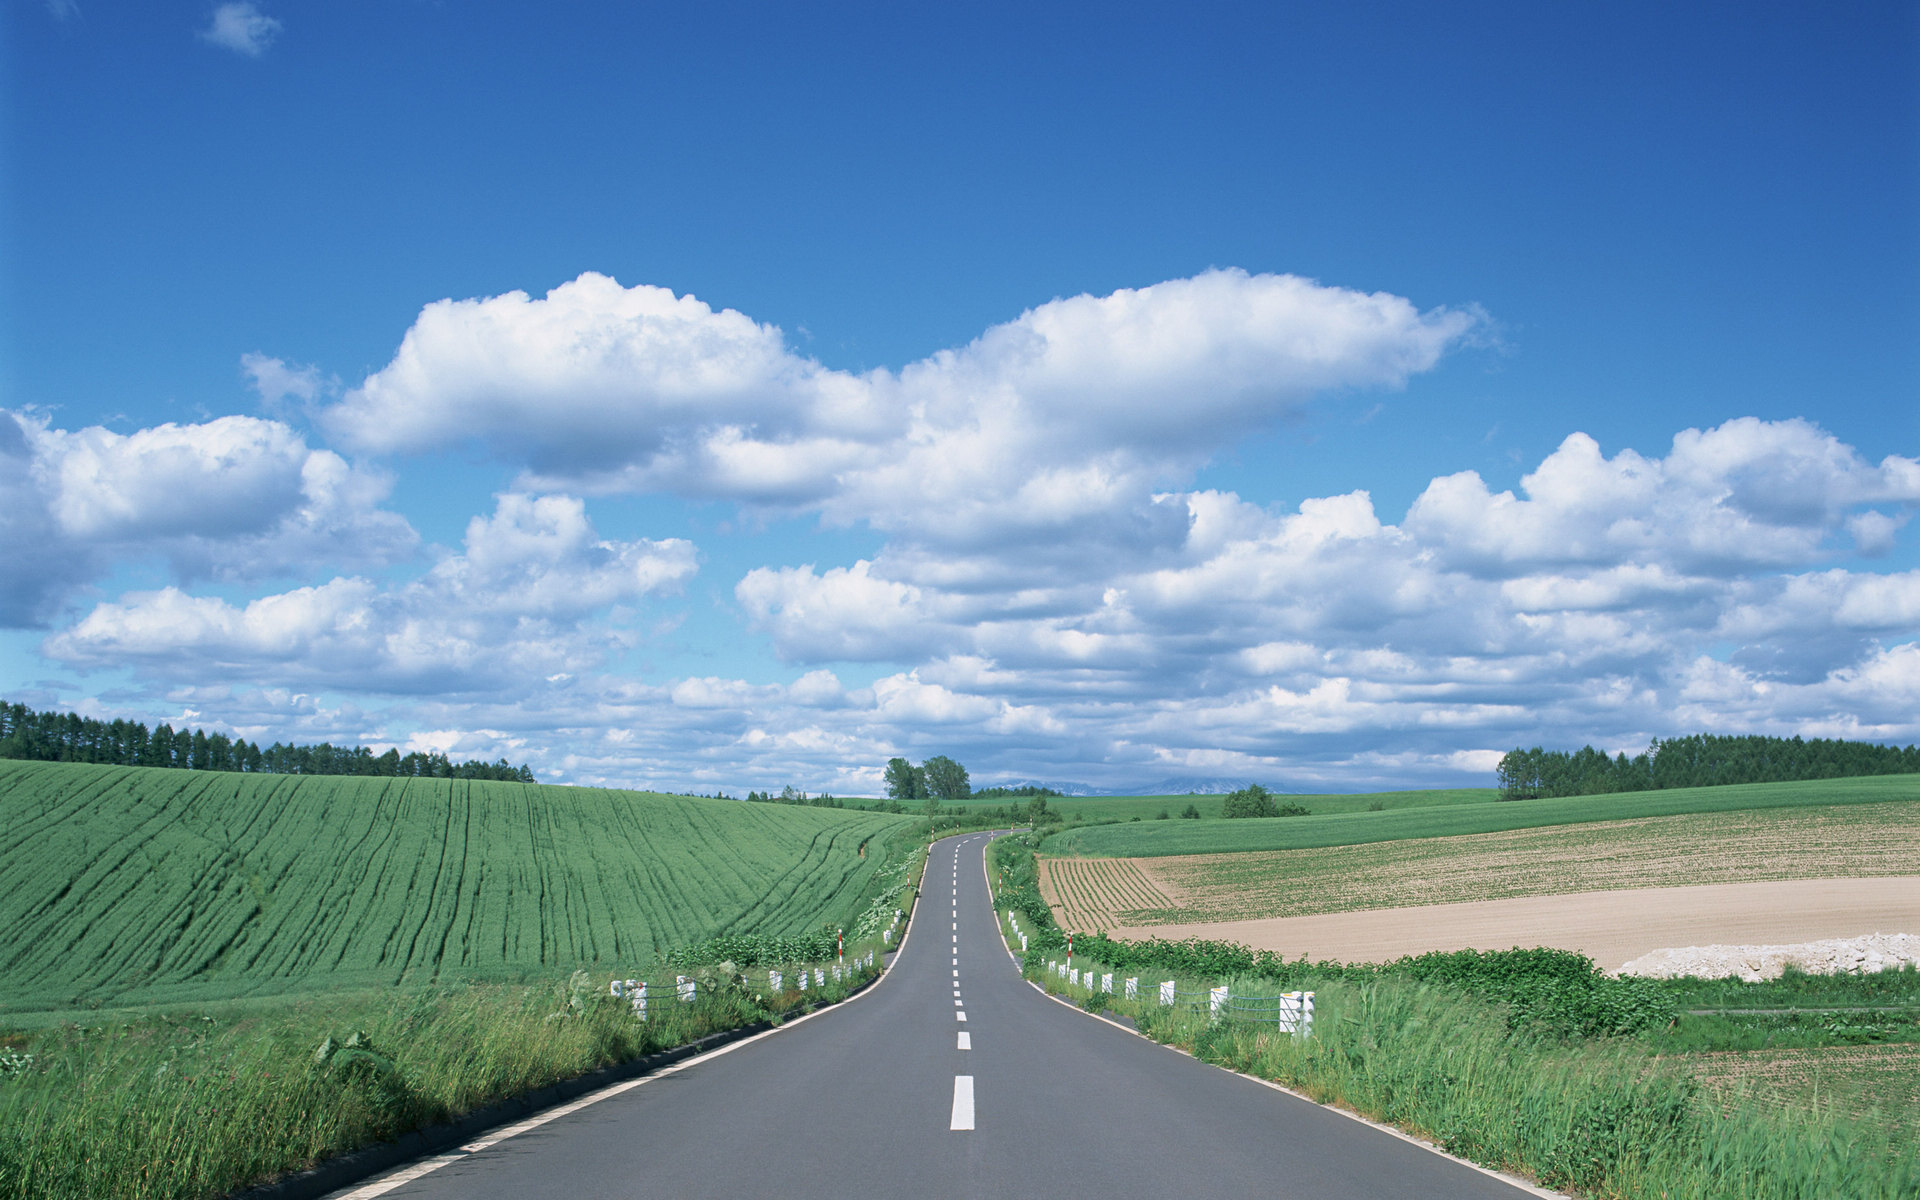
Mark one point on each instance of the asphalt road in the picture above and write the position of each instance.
(951, 1077)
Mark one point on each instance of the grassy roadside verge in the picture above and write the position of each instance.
(1523, 1061)
(182, 1104)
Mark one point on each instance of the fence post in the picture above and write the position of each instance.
(1106, 983)
(1166, 992)
(688, 988)
(1216, 1000)
(773, 982)
(1133, 988)
(640, 1000)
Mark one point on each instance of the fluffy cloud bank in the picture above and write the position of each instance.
(1064, 419)
(234, 498)
(522, 604)
(1052, 597)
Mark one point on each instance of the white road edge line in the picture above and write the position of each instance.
(401, 1176)
(962, 1103)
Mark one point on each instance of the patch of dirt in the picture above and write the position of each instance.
(1611, 927)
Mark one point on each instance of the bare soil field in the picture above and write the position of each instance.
(1611, 927)
(1748, 846)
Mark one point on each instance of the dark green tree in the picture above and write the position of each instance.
(1250, 801)
(946, 779)
(905, 781)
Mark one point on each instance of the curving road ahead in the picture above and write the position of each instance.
(951, 1077)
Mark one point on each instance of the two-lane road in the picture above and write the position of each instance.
(951, 1077)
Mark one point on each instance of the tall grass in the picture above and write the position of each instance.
(1597, 1117)
(181, 1108)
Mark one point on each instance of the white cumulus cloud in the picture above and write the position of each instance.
(233, 498)
(520, 606)
(1065, 418)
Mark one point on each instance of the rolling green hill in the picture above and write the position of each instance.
(1152, 838)
(129, 885)
(1148, 808)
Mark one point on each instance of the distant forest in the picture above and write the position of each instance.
(1700, 760)
(53, 737)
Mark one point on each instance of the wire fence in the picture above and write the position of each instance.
(1290, 1012)
(800, 977)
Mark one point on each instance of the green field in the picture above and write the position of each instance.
(1148, 808)
(1456, 814)
(126, 886)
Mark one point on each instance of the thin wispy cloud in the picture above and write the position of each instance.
(241, 28)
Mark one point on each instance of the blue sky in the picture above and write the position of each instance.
(1032, 357)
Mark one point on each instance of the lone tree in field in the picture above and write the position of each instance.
(946, 779)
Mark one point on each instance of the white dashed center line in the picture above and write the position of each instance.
(962, 1102)
(966, 1040)
(959, 1016)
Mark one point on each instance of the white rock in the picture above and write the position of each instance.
(1872, 952)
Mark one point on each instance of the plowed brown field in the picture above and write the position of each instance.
(1090, 893)
(1733, 847)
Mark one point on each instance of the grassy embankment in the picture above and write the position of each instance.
(185, 946)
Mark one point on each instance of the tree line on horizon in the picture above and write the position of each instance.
(70, 737)
(1698, 760)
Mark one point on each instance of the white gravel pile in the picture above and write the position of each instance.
(1874, 952)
